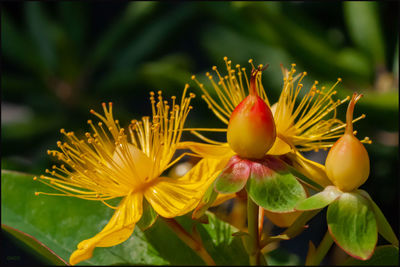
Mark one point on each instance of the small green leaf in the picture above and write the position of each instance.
(37, 246)
(384, 256)
(208, 199)
(234, 177)
(320, 200)
(273, 187)
(310, 253)
(384, 227)
(149, 216)
(352, 224)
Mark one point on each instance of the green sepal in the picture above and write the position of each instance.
(384, 227)
(320, 200)
(386, 255)
(148, 218)
(352, 224)
(273, 187)
(234, 176)
(208, 199)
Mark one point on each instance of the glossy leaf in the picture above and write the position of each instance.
(384, 227)
(320, 200)
(352, 224)
(273, 187)
(62, 222)
(35, 245)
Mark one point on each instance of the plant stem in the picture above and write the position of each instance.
(252, 224)
(322, 249)
(189, 240)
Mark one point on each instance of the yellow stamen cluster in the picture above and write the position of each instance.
(230, 89)
(304, 124)
(102, 166)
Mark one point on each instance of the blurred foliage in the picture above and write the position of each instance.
(60, 59)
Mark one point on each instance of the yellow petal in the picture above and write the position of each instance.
(280, 147)
(174, 197)
(207, 150)
(309, 168)
(118, 229)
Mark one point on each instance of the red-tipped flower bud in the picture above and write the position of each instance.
(347, 163)
(251, 129)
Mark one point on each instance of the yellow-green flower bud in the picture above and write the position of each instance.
(347, 163)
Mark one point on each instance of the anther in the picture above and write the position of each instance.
(339, 79)
(214, 67)
(225, 58)
(35, 178)
(36, 193)
(193, 77)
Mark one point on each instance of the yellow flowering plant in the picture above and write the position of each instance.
(114, 162)
(125, 169)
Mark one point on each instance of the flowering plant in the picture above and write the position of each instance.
(124, 168)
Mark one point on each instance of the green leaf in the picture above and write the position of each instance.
(384, 227)
(208, 199)
(273, 187)
(352, 224)
(384, 256)
(320, 200)
(310, 253)
(62, 222)
(149, 216)
(35, 245)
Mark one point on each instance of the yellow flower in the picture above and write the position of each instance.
(115, 162)
(309, 124)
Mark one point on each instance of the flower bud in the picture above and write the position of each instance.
(347, 163)
(251, 129)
